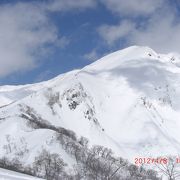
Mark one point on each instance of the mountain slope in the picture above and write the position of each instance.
(10, 175)
(128, 101)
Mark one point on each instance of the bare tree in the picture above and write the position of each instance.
(49, 165)
(170, 168)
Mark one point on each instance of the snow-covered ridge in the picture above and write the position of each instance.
(132, 53)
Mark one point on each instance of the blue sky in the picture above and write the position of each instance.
(43, 38)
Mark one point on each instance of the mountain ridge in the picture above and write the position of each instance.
(127, 101)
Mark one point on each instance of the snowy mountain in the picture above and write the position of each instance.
(128, 101)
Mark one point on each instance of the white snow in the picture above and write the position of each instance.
(11, 175)
(134, 95)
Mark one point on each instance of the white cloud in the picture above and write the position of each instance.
(112, 33)
(26, 32)
(66, 5)
(160, 31)
(133, 7)
(92, 56)
(161, 34)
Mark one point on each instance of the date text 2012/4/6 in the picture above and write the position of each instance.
(150, 160)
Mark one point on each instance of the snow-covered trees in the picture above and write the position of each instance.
(48, 165)
(96, 163)
(91, 163)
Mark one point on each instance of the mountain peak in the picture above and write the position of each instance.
(119, 57)
(132, 54)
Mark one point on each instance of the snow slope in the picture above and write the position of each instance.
(10, 175)
(128, 101)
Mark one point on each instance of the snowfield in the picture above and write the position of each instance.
(128, 101)
(10, 175)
